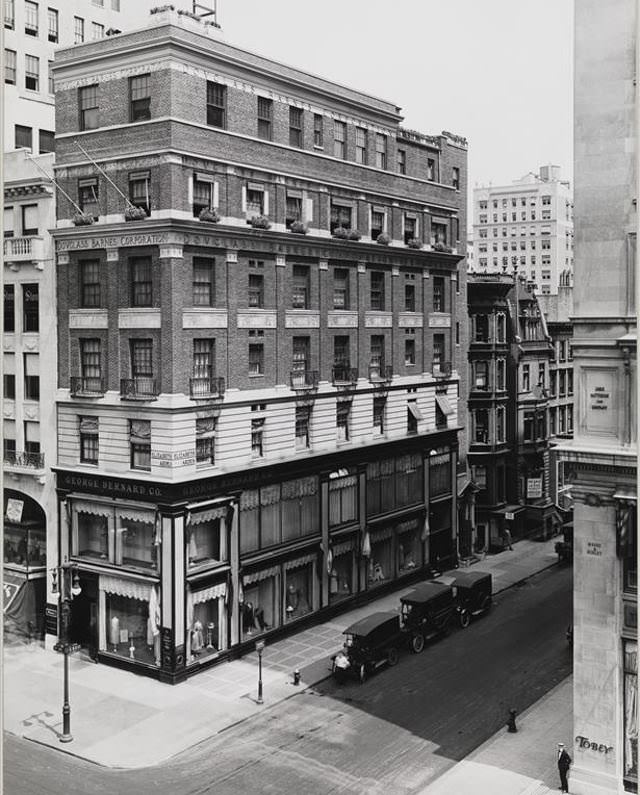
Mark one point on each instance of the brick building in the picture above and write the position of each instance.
(258, 344)
(509, 357)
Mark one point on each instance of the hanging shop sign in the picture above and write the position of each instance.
(534, 488)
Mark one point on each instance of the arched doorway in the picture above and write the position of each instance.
(25, 566)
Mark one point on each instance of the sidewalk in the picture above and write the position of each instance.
(143, 722)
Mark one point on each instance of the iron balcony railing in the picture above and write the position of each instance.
(138, 388)
(441, 369)
(304, 379)
(343, 374)
(206, 387)
(79, 385)
(380, 372)
(30, 460)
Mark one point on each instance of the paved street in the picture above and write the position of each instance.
(426, 713)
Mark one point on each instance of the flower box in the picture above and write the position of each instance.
(260, 222)
(414, 243)
(341, 233)
(135, 214)
(354, 234)
(383, 239)
(210, 215)
(442, 247)
(82, 219)
(298, 228)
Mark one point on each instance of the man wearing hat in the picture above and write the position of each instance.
(564, 760)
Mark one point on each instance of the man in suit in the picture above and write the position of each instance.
(564, 760)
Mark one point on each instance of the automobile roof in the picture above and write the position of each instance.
(467, 579)
(369, 623)
(425, 591)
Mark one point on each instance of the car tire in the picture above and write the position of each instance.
(362, 673)
(417, 643)
(464, 618)
(485, 605)
(392, 656)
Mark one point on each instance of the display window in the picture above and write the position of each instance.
(137, 543)
(206, 622)
(343, 497)
(24, 545)
(409, 546)
(381, 561)
(260, 607)
(93, 536)
(130, 625)
(341, 574)
(206, 537)
(299, 588)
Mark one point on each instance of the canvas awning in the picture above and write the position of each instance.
(445, 406)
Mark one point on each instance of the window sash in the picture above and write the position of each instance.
(10, 64)
(202, 283)
(31, 16)
(90, 358)
(203, 358)
(141, 455)
(31, 72)
(141, 358)
(89, 448)
(256, 359)
(78, 30)
(256, 290)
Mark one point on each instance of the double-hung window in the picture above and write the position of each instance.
(139, 98)
(203, 359)
(89, 440)
(30, 307)
(88, 196)
(300, 296)
(256, 359)
(78, 31)
(140, 444)
(23, 137)
(343, 411)
(379, 405)
(205, 440)
(340, 217)
(377, 224)
(340, 139)
(10, 67)
(31, 376)
(203, 193)
(293, 209)
(90, 284)
(410, 227)
(340, 288)
(31, 73)
(216, 105)
(361, 145)
(438, 294)
(139, 190)
(257, 437)
(295, 127)
(97, 31)
(88, 104)
(203, 281)
(46, 141)
(52, 22)
(91, 364)
(141, 282)
(30, 18)
(265, 118)
(377, 290)
(318, 131)
(256, 290)
(402, 161)
(303, 417)
(255, 203)
(381, 150)
(9, 14)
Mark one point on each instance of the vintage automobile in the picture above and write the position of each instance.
(472, 592)
(564, 548)
(370, 643)
(427, 612)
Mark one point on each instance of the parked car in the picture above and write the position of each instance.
(472, 591)
(427, 611)
(564, 548)
(370, 643)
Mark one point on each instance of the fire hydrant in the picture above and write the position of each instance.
(296, 677)
(511, 724)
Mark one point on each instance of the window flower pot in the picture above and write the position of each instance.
(414, 243)
(260, 222)
(209, 215)
(383, 239)
(82, 219)
(298, 228)
(135, 214)
(354, 234)
(442, 247)
(341, 233)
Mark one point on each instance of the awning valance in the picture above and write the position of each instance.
(257, 576)
(206, 594)
(95, 508)
(342, 547)
(381, 535)
(133, 590)
(298, 562)
(201, 513)
(135, 515)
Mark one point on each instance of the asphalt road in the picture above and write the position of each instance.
(400, 730)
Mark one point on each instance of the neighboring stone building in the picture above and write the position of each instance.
(259, 345)
(600, 464)
(509, 359)
(29, 417)
(528, 224)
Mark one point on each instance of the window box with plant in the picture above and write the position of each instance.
(442, 247)
(298, 228)
(82, 219)
(341, 233)
(209, 214)
(135, 213)
(413, 242)
(260, 222)
(383, 239)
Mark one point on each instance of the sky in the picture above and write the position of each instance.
(498, 72)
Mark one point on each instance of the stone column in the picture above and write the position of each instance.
(172, 595)
(173, 367)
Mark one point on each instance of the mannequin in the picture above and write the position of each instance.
(197, 638)
(114, 632)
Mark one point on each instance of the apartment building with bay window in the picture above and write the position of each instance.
(258, 345)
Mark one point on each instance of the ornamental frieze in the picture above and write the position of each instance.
(410, 320)
(342, 320)
(306, 320)
(378, 320)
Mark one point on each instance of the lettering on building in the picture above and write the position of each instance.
(594, 548)
(599, 398)
(586, 744)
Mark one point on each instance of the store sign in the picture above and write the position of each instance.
(14, 510)
(594, 548)
(534, 488)
(586, 744)
(602, 413)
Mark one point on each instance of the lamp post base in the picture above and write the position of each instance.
(66, 738)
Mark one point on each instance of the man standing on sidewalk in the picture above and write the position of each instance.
(564, 760)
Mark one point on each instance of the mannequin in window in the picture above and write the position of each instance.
(197, 638)
(252, 618)
(293, 599)
(333, 582)
(114, 633)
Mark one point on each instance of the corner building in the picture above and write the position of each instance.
(258, 371)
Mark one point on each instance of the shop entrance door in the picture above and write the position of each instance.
(84, 614)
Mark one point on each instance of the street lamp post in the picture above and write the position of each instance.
(66, 584)
(260, 649)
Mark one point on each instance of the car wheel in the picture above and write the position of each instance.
(392, 656)
(465, 619)
(362, 673)
(417, 643)
(485, 605)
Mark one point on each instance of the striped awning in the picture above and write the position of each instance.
(263, 574)
(94, 508)
(381, 535)
(128, 588)
(298, 562)
(206, 594)
(342, 547)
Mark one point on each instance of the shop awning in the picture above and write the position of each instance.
(298, 562)
(203, 512)
(128, 588)
(417, 414)
(342, 547)
(256, 576)
(445, 406)
(381, 535)
(206, 594)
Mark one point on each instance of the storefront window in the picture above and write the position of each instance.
(137, 540)
(440, 536)
(130, 630)
(409, 546)
(343, 497)
(439, 474)
(381, 562)
(631, 712)
(299, 591)
(341, 575)
(261, 605)
(394, 483)
(206, 622)
(93, 536)
(24, 545)
(206, 542)
(300, 515)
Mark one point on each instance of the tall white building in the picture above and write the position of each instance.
(527, 225)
